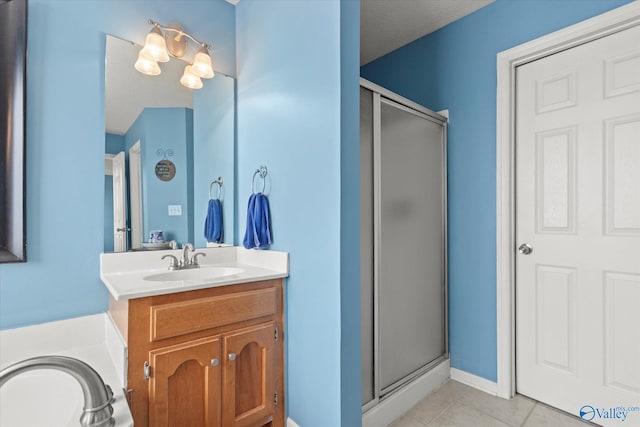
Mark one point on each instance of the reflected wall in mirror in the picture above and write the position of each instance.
(149, 119)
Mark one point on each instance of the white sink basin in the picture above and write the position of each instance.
(202, 273)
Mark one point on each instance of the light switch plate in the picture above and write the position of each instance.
(175, 210)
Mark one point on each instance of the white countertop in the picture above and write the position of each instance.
(124, 273)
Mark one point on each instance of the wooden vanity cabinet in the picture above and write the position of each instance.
(184, 389)
(211, 357)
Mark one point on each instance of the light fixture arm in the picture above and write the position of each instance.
(181, 33)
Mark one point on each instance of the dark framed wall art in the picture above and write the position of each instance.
(13, 52)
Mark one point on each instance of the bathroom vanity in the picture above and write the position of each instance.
(205, 347)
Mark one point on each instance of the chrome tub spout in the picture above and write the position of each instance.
(97, 410)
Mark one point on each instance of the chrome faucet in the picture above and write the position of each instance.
(97, 410)
(185, 262)
(174, 262)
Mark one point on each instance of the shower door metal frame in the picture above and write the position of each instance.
(381, 95)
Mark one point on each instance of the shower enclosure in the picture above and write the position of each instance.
(403, 241)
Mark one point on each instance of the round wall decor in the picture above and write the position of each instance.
(165, 170)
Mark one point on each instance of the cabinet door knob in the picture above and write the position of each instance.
(232, 356)
(214, 362)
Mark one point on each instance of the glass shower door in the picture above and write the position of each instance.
(402, 241)
(411, 259)
(366, 245)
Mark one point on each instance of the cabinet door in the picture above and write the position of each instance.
(249, 389)
(184, 388)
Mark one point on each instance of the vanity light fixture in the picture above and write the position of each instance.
(190, 79)
(147, 65)
(158, 46)
(155, 48)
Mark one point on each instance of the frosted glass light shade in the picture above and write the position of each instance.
(202, 66)
(155, 47)
(189, 79)
(146, 65)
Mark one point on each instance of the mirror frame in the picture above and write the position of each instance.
(13, 51)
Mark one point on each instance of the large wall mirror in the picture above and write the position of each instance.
(166, 147)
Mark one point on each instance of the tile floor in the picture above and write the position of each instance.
(457, 405)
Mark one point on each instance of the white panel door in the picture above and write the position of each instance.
(135, 194)
(119, 204)
(578, 208)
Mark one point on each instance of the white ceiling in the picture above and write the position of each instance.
(386, 25)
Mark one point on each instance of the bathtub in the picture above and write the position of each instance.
(52, 398)
(41, 398)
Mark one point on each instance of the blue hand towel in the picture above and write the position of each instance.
(249, 235)
(258, 232)
(213, 223)
(262, 220)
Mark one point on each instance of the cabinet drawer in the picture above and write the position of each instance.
(180, 318)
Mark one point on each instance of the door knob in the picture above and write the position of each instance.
(215, 362)
(232, 356)
(525, 249)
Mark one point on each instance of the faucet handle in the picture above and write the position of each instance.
(109, 391)
(174, 262)
(194, 259)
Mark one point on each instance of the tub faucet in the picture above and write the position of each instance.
(97, 410)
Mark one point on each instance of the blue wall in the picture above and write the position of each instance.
(351, 391)
(65, 170)
(455, 69)
(289, 119)
(113, 144)
(214, 126)
(159, 130)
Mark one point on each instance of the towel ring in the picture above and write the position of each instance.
(219, 182)
(262, 171)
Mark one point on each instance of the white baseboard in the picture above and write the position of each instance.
(393, 407)
(291, 423)
(475, 381)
